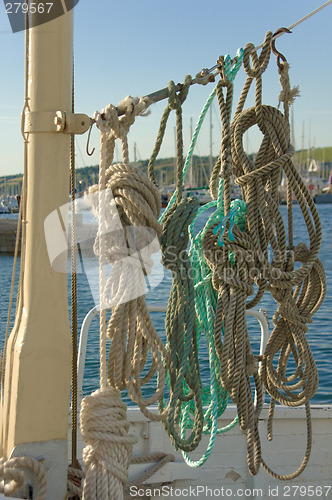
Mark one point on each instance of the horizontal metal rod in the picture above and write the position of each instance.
(162, 94)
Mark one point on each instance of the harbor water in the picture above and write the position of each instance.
(319, 335)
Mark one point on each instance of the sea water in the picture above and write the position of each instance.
(319, 335)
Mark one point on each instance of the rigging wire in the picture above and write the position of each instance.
(207, 75)
(297, 22)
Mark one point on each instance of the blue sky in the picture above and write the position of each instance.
(136, 47)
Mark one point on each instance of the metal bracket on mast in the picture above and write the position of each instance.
(56, 121)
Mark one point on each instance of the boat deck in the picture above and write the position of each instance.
(225, 473)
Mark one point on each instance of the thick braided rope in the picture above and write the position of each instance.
(103, 416)
(183, 370)
(107, 453)
(12, 477)
(159, 459)
(130, 328)
(234, 281)
(223, 166)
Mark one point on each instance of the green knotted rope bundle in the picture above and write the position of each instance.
(187, 321)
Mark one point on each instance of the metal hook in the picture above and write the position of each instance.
(281, 59)
(88, 140)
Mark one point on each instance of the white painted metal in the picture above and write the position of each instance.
(82, 350)
(259, 315)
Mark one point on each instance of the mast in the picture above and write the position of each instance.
(135, 154)
(37, 378)
(175, 153)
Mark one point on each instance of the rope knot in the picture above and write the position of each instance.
(104, 428)
(301, 252)
(175, 100)
(117, 127)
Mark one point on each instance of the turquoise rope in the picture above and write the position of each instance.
(205, 303)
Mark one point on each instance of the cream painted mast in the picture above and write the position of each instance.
(37, 378)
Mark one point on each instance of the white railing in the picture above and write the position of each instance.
(259, 315)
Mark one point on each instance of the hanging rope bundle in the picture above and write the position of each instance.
(214, 396)
(231, 257)
(235, 278)
(184, 374)
(128, 205)
(183, 371)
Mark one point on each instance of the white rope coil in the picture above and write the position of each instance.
(104, 428)
(12, 476)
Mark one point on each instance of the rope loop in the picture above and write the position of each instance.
(175, 102)
(259, 63)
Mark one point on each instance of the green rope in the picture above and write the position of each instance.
(214, 397)
(230, 72)
(184, 377)
(191, 310)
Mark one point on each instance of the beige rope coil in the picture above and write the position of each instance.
(12, 476)
(259, 181)
(128, 206)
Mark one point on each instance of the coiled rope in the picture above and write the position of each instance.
(233, 258)
(137, 204)
(234, 279)
(13, 479)
(184, 378)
